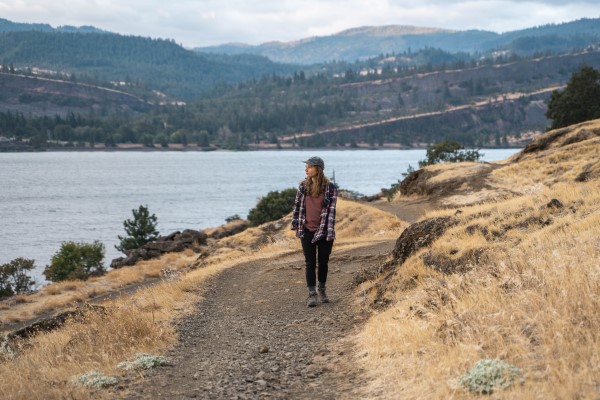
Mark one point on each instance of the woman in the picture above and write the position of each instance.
(314, 223)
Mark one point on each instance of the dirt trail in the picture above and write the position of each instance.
(253, 336)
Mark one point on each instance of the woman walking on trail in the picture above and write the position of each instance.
(314, 223)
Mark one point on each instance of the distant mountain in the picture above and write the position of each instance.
(149, 64)
(366, 42)
(9, 26)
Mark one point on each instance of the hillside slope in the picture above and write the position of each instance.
(42, 96)
(481, 106)
(508, 269)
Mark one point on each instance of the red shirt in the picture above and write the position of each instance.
(314, 206)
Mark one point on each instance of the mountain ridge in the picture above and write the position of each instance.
(10, 26)
(369, 41)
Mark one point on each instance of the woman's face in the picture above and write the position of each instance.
(311, 171)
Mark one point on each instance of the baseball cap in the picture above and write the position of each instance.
(316, 161)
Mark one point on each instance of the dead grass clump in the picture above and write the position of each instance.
(531, 301)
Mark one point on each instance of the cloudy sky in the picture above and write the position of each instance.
(210, 22)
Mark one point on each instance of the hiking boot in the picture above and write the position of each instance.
(323, 295)
(312, 299)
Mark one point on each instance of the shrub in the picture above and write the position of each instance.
(490, 374)
(76, 261)
(448, 151)
(143, 361)
(94, 380)
(232, 218)
(13, 277)
(141, 230)
(272, 207)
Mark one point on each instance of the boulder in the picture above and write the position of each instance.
(54, 322)
(419, 235)
(172, 243)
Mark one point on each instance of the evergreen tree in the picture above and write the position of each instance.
(448, 151)
(141, 230)
(580, 101)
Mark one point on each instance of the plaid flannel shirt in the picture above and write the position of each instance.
(327, 223)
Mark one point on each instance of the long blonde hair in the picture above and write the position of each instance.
(316, 185)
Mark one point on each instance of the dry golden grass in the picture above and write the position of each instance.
(60, 287)
(532, 299)
(63, 294)
(563, 156)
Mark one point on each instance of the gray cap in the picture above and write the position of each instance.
(317, 161)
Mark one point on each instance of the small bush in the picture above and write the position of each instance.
(143, 361)
(489, 375)
(232, 218)
(94, 380)
(272, 207)
(76, 261)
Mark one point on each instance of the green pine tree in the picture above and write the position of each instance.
(579, 102)
(140, 230)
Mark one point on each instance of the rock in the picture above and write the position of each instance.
(172, 243)
(373, 197)
(54, 322)
(228, 229)
(554, 203)
(418, 235)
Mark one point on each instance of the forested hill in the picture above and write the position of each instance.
(9, 26)
(60, 89)
(367, 42)
(155, 64)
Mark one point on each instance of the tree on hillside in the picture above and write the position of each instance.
(580, 101)
(272, 207)
(141, 230)
(14, 278)
(76, 261)
(448, 151)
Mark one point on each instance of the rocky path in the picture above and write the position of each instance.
(254, 338)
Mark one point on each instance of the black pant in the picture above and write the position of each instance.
(323, 248)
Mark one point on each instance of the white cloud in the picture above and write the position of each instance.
(210, 22)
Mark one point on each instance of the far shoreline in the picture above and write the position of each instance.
(195, 148)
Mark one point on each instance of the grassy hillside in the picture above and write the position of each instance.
(512, 274)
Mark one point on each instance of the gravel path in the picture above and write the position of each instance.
(254, 338)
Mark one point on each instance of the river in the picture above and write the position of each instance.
(48, 198)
